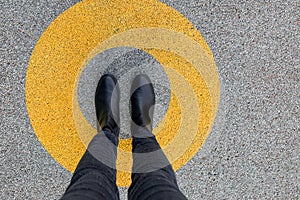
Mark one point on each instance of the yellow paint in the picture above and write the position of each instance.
(93, 26)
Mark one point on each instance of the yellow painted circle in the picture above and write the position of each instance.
(93, 26)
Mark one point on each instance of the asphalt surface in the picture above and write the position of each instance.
(253, 149)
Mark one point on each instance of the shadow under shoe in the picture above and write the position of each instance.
(107, 100)
(142, 106)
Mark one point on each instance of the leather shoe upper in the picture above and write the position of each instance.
(107, 99)
(142, 103)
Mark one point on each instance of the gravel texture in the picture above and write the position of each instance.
(253, 150)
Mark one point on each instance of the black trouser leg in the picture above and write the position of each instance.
(152, 175)
(95, 175)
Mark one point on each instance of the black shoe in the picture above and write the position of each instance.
(107, 99)
(142, 104)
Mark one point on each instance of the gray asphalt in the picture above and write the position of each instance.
(253, 149)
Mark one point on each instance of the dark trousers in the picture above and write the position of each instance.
(95, 176)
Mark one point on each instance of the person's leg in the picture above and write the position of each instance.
(152, 175)
(95, 175)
